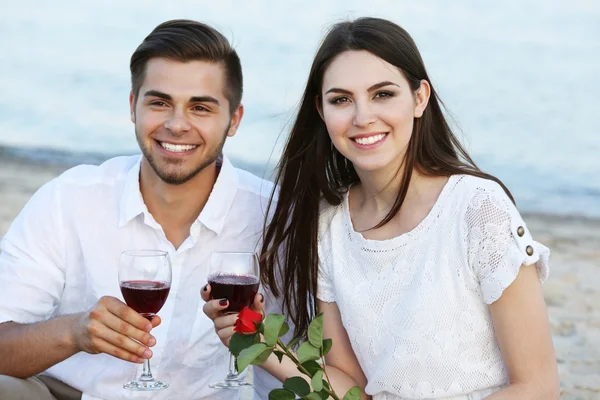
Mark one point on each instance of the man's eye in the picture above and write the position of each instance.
(200, 108)
(158, 103)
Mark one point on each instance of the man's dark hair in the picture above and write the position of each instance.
(185, 40)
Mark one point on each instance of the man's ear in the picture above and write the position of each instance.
(132, 107)
(236, 119)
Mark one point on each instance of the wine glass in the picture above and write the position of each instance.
(145, 280)
(233, 276)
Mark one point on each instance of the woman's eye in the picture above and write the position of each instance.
(383, 95)
(339, 100)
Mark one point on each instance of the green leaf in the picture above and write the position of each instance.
(293, 342)
(261, 328)
(315, 331)
(281, 394)
(248, 355)
(297, 385)
(240, 342)
(327, 346)
(307, 352)
(284, 329)
(324, 394)
(353, 394)
(273, 324)
(313, 396)
(262, 357)
(279, 355)
(312, 367)
(317, 381)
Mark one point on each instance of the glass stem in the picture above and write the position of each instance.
(233, 374)
(146, 373)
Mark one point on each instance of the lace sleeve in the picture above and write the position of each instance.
(325, 289)
(499, 242)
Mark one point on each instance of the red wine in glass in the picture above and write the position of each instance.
(145, 297)
(239, 290)
(145, 281)
(233, 276)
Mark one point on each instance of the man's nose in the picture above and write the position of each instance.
(178, 122)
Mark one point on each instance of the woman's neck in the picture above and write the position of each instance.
(378, 190)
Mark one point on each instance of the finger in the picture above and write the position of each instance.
(225, 321)
(99, 333)
(126, 313)
(104, 347)
(205, 293)
(259, 304)
(213, 308)
(124, 328)
(155, 321)
(225, 335)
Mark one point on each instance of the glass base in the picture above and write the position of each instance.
(141, 386)
(231, 384)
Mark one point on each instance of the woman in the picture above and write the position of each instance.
(419, 260)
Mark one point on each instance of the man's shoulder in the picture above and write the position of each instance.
(108, 173)
(250, 183)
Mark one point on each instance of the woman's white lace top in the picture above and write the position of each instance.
(416, 306)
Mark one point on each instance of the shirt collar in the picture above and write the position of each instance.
(221, 198)
(213, 214)
(132, 203)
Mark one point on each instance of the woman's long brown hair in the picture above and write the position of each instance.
(311, 168)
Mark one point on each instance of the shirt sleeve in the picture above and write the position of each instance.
(32, 260)
(499, 242)
(325, 288)
(324, 284)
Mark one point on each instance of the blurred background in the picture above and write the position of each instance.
(520, 79)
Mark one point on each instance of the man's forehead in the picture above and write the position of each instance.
(176, 78)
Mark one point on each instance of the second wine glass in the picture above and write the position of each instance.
(233, 276)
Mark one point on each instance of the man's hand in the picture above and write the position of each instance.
(113, 328)
(224, 322)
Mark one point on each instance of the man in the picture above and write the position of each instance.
(64, 330)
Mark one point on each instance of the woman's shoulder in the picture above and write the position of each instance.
(328, 214)
(470, 188)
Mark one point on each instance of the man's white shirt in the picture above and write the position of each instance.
(61, 255)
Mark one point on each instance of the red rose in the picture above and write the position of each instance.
(247, 321)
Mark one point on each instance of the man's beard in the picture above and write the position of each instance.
(179, 177)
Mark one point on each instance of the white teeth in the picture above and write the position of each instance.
(370, 140)
(177, 148)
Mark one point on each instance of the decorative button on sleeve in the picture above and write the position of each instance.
(529, 250)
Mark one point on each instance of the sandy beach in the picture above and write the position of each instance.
(572, 291)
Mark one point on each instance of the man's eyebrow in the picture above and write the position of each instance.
(193, 99)
(374, 87)
(156, 93)
(204, 99)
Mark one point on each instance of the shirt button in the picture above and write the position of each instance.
(521, 231)
(529, 250)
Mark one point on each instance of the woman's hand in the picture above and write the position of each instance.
(224, 322)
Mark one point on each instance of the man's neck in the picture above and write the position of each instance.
(176, 207)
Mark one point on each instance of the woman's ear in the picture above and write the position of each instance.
(319, 106)
(422, 98)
